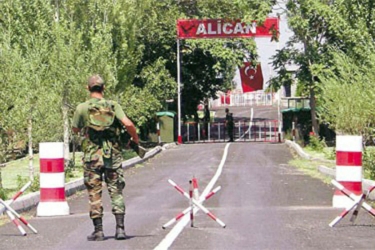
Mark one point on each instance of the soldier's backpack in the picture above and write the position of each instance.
(101, 115)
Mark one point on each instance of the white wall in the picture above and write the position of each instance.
(266, 49)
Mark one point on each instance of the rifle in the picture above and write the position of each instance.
(141, 151)
(126, 142)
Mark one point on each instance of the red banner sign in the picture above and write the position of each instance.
(219, 28)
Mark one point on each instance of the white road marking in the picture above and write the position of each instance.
(177, 229)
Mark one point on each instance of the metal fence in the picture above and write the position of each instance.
(256, 131)
(244, 99)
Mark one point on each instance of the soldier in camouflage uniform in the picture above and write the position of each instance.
(102, 158)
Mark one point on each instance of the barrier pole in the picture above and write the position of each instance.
(195, 188)
(191, 204)
(196, 203)
(353, 197)
(158, 132)
(356, 211)
(178, 217)
(15, 221)
(10, 215)
(188, 209)
(23, 189)
(345, 212)
(18, 216)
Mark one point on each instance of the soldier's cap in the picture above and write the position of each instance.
(95, 80)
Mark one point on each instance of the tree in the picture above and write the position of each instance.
(317, 27)
(349, 96)
(204, 60)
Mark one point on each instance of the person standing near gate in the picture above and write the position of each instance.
(229, 124)
(95, 119)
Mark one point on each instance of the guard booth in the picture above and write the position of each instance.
(298, 112)
(301, 117)
(167, 126)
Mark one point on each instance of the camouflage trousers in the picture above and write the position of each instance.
(111, 171)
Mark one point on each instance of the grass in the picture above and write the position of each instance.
(20, 169)
(328, 160)
(16, 173)
(327, 153)
(310, 167)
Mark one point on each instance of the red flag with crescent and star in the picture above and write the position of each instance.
(251, 77)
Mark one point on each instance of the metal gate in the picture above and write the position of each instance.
(256, 131)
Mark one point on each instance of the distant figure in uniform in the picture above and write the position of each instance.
(102, 160)
(206, 118)
(229, 124)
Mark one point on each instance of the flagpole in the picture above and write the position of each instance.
(179, 139)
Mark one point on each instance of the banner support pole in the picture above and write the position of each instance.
(179, 139)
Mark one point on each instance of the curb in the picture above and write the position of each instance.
(366, 184)
(28, 201)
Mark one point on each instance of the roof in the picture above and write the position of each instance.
(295, 110)
(166, 113)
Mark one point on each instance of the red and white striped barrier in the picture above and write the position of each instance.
(9, 213)
(195, 188)
(52, 180)
(348, 168)
(11, 210)
(16, 223)
(359, 201)
(18, 194)
(158, 131)
(197, 203)
(191, 203)
(187, 210)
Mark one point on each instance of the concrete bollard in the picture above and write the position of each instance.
(348, 168)
(52, 180)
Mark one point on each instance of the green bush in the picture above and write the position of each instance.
(21, 181)
(316, 144)
(3, 194)
(288, 135)
(35, 184)
(331, 154)
(368, 162)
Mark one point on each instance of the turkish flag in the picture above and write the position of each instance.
(251, 77)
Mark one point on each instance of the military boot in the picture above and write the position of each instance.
(120, 228)
(98, 234)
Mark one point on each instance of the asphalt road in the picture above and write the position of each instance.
(264, 203)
